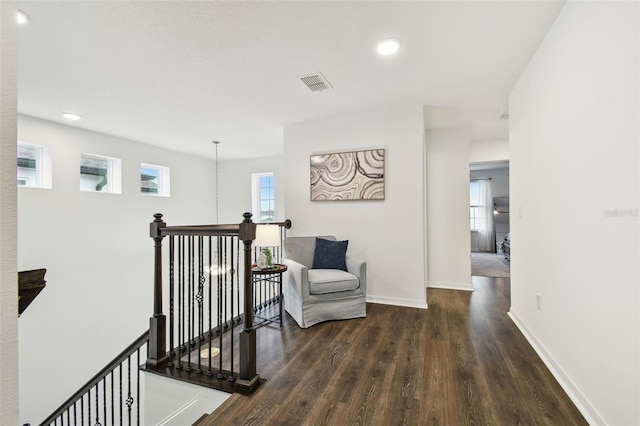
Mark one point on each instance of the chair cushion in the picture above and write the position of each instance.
(323, 281)
(330, 254)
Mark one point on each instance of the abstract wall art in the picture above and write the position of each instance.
(340, 176)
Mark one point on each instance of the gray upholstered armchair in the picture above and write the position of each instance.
(316, 295)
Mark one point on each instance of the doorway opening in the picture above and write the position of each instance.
(489, 219)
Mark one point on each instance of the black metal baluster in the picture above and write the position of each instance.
(104, 400)
(138, 389)
(224, 281)
(129, 400)
(231, 376)
(192, 278)
(172, 352)
(210, 307)
(97, 406)
(220, 310)
(199, 298)
(120, 386)
(190, 305)
(75, 413)
(234, 271)
(113, 412)
(180, 299)
(89, 406)
(255, 294)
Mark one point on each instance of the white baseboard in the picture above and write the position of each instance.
(583, 405)
(450, 286)
(177, 413)
(398, 301)
(170, 402)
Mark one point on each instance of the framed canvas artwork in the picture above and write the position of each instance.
(340, 176)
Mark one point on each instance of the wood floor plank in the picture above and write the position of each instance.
(460, 362)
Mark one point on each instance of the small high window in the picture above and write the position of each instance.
(34, 166)
(99, 173)
(155, 180)
(263, 196)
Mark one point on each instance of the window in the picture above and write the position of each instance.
(34, 166)
(474, 205)
(100, 174)
(154, 180)
(263, 195)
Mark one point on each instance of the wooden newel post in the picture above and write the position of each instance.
(248, 379)
(158, 322)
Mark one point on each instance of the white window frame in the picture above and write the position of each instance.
(43, 170)
(256, 199)
(164, 180)
(114, 174)
(473, 219)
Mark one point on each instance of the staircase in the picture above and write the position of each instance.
(209, 332)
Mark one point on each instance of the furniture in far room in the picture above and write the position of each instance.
(322, 283)
(506, 246)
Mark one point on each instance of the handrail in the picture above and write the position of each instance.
(285, 224)
(30, 284)
(218, 230)
(91, 383)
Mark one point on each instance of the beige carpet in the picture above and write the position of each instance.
(489, 265)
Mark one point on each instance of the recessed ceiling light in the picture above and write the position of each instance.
(71, 116)
(21, 17)
(388, 46)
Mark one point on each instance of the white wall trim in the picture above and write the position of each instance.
(398, 301)
(171, 417)
(450, 286)
(583, 405)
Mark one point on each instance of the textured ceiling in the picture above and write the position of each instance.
(180, 74)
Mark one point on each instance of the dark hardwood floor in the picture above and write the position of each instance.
(460, 362)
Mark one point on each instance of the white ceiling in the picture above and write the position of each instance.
(180, 74)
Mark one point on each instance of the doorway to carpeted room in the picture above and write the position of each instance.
(489, 265)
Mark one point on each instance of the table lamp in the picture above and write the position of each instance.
(267, 237)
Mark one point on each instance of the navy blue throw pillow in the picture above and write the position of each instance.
(330, 254)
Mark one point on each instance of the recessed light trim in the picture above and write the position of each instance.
(71, 116)
(388, 46)
(21, 17)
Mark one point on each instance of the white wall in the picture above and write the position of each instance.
(574, 111)
(8, 218)
(235, 186)
(387, 234)
(488, 150)
(448, 208)
(98, 254)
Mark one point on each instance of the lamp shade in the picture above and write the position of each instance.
(267, 236)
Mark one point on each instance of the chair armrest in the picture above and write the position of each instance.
(296, 279)
(358, 267)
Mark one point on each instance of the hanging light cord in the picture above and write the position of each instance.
(216, 144)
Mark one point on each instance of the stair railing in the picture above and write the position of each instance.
(111, 396)
(206, 264)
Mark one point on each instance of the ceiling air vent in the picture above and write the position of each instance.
(316, 82)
